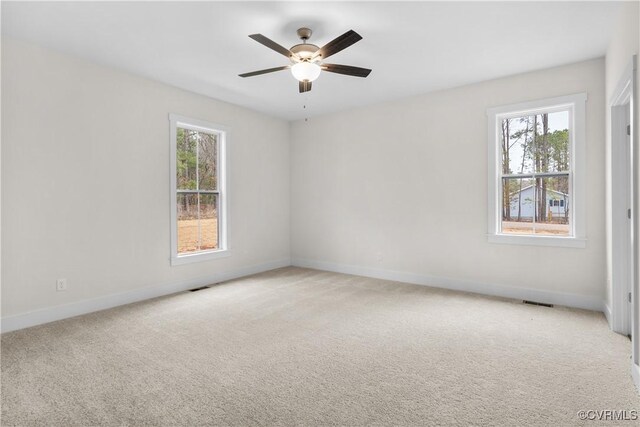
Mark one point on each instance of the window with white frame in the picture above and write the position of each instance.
(198, 192)
(536, 168)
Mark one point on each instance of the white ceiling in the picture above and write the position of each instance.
(412, 47)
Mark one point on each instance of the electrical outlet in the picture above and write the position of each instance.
(61, 285)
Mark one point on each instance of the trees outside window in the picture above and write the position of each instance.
(535, 171)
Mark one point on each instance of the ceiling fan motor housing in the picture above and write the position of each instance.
(304, 50)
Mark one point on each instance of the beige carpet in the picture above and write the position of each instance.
(298, 346)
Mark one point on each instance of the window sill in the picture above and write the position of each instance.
(200, 257)
(565, 242)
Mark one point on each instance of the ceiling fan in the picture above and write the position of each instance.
(307, 59)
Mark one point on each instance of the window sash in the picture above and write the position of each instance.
(535, 175)
(552, 203)
(197, 146)
(530, 113)
(503, 178)
(197, 191)
(199, 218)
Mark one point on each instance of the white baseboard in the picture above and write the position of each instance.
(548, 297)
(635, 374)
(38, 317)
(607, 313)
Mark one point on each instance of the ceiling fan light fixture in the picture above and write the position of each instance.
(307, 60)
(306, 71)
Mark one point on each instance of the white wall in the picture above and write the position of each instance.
(402, 188)
(85, 183)
(85, 187)
(623, 45)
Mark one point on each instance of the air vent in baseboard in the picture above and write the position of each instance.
(198, 289)
(542, 304)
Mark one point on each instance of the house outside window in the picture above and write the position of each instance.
(198, 190)
(536, 172)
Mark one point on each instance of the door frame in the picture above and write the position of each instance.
(622, 225)
(626, 94)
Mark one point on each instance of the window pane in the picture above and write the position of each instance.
(518, 200)
(188, 240)
(517, 145)
(552, 142)
(208, 221)
(186, 159)
(207, 161)
(552, 208)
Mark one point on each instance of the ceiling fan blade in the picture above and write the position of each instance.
(339, 43)
(304, 86)
(346, 69)
(272, 45)
(265, 71)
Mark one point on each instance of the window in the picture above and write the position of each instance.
(536, 166)
(198, 196)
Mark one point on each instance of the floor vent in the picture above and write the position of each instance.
(542, 304)
(198, 289)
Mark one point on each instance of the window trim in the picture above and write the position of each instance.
(577, 115)
(222, 132)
